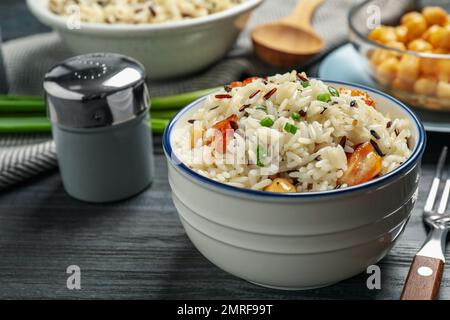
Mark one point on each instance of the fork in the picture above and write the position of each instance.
(425, 273)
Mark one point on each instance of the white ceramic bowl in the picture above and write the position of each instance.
(167, 49)
(302, 240)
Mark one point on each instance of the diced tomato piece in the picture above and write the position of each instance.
(236, 84)
(362, 94)
(226, 128)
(228, 123)
(249, 80)
(362, 165)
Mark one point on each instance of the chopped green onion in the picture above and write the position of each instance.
(290, 128)
(261, 107)
(333, 91)
(305, 84)
(295, 116)
(324, 97)
(266, 122)
(260, 153)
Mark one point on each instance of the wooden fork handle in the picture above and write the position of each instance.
(424, 279)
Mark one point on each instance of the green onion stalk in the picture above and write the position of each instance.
(28, 113)
(42, 124)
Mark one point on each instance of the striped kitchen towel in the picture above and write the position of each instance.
(25, 156)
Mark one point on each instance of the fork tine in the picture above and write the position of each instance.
(431, 199)
(445, 195)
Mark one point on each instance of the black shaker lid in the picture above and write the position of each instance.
(96, 90)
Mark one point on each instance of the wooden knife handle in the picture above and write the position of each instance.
(424, 279)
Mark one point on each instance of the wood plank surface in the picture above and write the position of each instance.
(137, 249)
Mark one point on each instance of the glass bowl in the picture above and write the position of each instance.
(421, 79)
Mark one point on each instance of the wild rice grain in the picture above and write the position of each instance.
(302, 77)
(223, 96)
(375, 134)
(377, 148)
(343, 141)
(245, 106)
(270, 93)
(254, 94)
(152, 11)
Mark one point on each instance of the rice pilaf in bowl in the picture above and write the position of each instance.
(294, 183)
(289, 133)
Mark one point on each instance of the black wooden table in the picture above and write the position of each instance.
(137, 249)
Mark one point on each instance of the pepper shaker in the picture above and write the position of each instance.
(99, 109)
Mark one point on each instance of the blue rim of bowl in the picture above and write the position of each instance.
(411, 161)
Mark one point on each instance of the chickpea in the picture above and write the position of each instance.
(396, 45)
(445, 44)
(383, 34)
(402, 84)
(428, 67)
(443, 89)
(410, 16)
(387, 71)
(281, 185)
(381, 55)
(401, 33)
(416, 24)
(444, 69)
(435, 15)
(420, 45)
(425, 86)
(438, 36)
(408, 68)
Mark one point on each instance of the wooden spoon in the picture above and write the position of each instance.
(290, 41)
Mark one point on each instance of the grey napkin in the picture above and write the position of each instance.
(27, 59)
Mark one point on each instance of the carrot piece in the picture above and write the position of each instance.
(362, 94)
(362, 165)
(235, 84)
(249, 80)
(226, 128)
